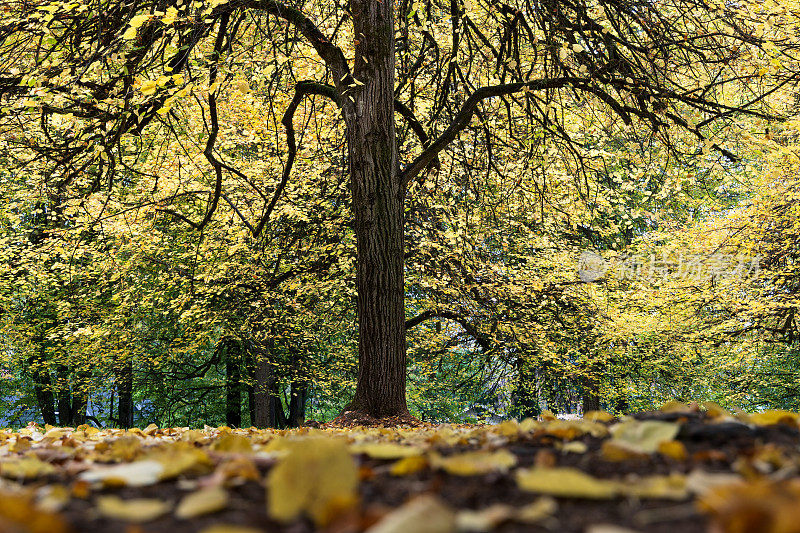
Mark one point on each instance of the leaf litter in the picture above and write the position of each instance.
(682, 468)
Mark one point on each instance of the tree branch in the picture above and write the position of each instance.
(463, 117)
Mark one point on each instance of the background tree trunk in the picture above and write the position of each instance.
(43, 386)
(233, 388)
(378, 209)
(125, 392)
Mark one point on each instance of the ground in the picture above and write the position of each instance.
(684, 468)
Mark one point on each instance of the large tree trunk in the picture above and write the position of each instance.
(378, 210)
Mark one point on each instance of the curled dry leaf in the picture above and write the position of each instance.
(135, 510)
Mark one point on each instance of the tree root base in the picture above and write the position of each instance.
(361, 418)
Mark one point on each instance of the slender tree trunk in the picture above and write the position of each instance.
(125, 392)
(266, 407)
(43, 386)
(378, 209)
(233, 389)
(64, 396)
(260, 408)
(297, 403)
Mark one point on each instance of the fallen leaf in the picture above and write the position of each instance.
(408, 466)
(424, 514)
(25, 468)
(230, 442)
(773, 416)
(484, 520)
(136, 474)
(674, 449)
(645, 436)
(565, 482)
(204, 501)
(701, 482)
(317, 476)
(385, 450)
(537, 511)
(135, 510)
(475, 463)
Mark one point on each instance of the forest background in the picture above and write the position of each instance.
(573, 262)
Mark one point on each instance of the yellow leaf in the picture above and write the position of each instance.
(229, 442)
(136, 474)
(674, 449)
(424, 514)
(138, 20)
(536, 511)
(317, 476)
(475, 463)
(565, 482)
(204, 501)
(408, 466)
(242, 86)
(773, 416)
(643, 437)
(598, 416)
(148, 87)
(385, 450)
(135, 510)
(170, 16)
(130, 34)
(484, 520)
(25, 468)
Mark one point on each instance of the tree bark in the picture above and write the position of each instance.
(233, 388)
(125, 393)
(378, 196)
(298, 396)
(42, 386)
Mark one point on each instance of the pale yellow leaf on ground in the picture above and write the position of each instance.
(773, 416)
(645, 436)
(204, 501)
(136, 474)
(484, 520)
(700, 482)
(25, 468)
(408, 466)
(424, 514)
(566, 482)
(537, 511)
(672, 487)
(385, 450)
(475, 463)
(135, 510)
(317, 476)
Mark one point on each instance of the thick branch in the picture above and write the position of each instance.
(464, 116)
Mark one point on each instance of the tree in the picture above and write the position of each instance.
(83, 76)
